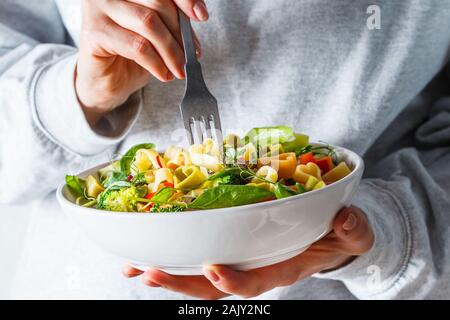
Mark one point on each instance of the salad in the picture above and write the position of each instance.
(266, 164)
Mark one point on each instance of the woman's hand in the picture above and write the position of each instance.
(351, 236)
(123, 43)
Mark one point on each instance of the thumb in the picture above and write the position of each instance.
(352, 228)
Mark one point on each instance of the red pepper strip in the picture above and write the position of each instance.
(158, 159)
(168, 184)
(325, 163)
(306, 158)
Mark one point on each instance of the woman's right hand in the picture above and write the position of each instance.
(123, 43)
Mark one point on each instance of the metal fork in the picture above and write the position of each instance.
(199, 109)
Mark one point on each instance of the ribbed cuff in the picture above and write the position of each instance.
(373, 274)
(60, 114)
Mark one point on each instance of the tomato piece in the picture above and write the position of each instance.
(150, 195)
(325, 163)
(168, 184)
(306, 158)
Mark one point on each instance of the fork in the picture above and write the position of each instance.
(198, 108)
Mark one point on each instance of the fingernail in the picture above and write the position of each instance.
(211, 274)
(350, 223)
(200, 11)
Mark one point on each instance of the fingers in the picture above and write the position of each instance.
(194, 9)
(254, 282)
(353, 232)
(195, 286)
(148, 24)
(115, 40)
(130, 272)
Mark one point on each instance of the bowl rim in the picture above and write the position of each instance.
(359, 167)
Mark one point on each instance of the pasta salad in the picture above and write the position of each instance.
(266, 164)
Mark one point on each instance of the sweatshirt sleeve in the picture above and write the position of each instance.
(43, 131)
(408, 206)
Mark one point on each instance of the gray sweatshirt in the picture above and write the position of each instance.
(313, 65)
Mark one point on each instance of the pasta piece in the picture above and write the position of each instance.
(337, 173)
(206, 155)
(266, 172)
(232, 141)
(161, 175)
(285, 164)
(189, 177)
(146, 159)
(304, 171)
(176, 157)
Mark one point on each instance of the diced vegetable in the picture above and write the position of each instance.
(319, 185)
(325, 163)
(311, 183)
(337, 173)
(306, 158)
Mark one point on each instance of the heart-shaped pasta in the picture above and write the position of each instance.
(284, 164)
(304, 171)
(266, 172)
(189, 177)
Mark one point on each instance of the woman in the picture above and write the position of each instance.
(70, 96)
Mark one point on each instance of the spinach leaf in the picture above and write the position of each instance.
(230, 196)
(76, 185)
(126, 159)
(239, 172)
(300, 188)
(114, 177)
(281, 191)
(269, 135)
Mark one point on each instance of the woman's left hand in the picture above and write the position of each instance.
(351, 236)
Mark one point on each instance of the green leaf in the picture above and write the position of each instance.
(163, 195)
(106, 172)
(230, 196)
(233, 175)
(128, 157)
(269, 135)
(299, 141)
(76, 186)
(281, 191)
(300, 188)
(114, 177)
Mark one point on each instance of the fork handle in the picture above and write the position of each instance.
(193, 68)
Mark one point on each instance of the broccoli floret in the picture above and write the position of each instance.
(123, 200)
(168, 208)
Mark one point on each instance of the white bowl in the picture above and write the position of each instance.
(243, 237)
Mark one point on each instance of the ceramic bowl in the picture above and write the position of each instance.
(243, 237)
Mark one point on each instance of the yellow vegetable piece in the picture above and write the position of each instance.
(320, 185)
(337, 173)
(93, 187)
(311, 183)
(188, 177)
(304, 171)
